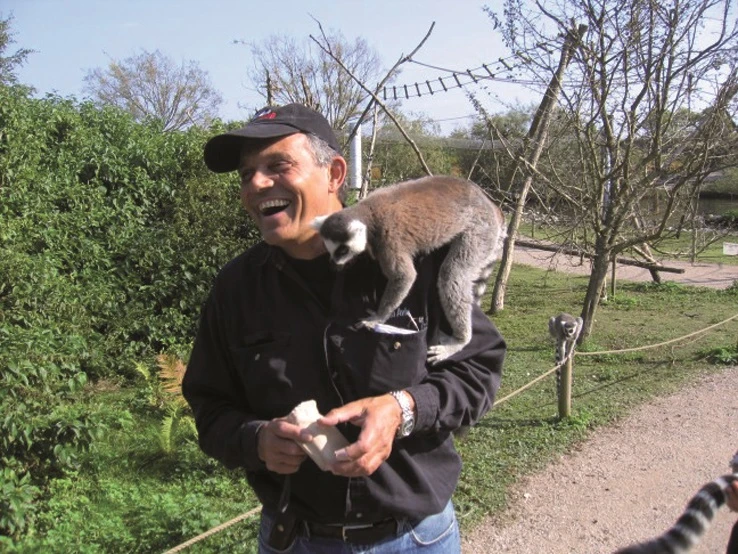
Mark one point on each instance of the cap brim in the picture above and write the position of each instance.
(223, 152)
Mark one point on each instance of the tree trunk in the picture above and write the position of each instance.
(600, 265)
(537, 135)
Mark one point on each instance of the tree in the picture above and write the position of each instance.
(639, 65)
(9, 64)
(151, 85)
(496, 135)
(394, 158)
(286, 70)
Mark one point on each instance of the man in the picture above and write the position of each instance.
(279, 328)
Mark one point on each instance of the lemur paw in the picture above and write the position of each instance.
(439, 352)
(373, 320)
(369, 323)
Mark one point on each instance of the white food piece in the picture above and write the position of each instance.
(326, 439)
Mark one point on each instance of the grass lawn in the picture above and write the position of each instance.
(146, 487)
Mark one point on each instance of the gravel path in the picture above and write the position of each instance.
(705, 275)
(631, 481)
(628, 483)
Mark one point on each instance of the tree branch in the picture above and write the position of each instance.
(375, 98)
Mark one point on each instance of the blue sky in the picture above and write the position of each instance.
(71, 37)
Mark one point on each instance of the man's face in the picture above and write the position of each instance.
(283, 190)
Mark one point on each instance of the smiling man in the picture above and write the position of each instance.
(279, 328)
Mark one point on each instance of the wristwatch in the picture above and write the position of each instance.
(408, 415)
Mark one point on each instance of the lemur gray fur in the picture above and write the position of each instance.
(565, 329)
(694, 521)
(398, 222)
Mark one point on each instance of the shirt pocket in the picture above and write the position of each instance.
(261, 362)
(368, 363)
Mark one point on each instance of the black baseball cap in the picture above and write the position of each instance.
(223, 152)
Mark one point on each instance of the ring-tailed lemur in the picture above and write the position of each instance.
(694, 521)
(565, 329)
(398, 222)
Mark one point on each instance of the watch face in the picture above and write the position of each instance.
(406, 428)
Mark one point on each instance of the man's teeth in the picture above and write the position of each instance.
(273, 206)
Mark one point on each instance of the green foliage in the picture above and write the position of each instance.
(396, 160)
(16, 500)
(10, 63)
(723, 355)
(163, 392)
(111, 234)
(730, 217)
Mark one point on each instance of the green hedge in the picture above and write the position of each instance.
(111, 232)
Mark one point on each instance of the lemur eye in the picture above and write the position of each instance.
(341, 251)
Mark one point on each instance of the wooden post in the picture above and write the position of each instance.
(565, 388)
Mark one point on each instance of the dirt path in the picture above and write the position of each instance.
(705, 275)
(630, 481)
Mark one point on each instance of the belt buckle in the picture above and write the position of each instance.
(351, 527)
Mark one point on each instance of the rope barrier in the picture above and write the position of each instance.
(212, 531)
(528, 385)
(649, 346)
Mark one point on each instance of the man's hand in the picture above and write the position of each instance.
(379, 417)
(277, 447)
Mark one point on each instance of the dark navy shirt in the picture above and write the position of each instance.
(269, 339)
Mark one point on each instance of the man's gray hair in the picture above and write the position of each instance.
(322, 152)
(323, 155)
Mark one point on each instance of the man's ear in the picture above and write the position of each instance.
(338, 171)
(317, 223)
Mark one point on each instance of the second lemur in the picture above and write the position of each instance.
(396, 223)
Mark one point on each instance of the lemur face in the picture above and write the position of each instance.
(343, 240)
(569, 329)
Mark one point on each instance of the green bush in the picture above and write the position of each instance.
(111, 234)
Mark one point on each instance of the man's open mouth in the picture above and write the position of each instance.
(271, 207)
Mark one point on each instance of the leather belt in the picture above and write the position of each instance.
(358, 534)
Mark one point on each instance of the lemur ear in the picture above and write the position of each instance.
(317, 223)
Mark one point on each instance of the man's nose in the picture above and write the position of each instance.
(258, 180)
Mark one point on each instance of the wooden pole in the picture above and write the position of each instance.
(565, 388)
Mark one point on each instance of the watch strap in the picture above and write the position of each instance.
(407, 422)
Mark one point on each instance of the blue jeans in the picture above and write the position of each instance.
(436, 534)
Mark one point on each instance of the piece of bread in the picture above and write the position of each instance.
(326, 440)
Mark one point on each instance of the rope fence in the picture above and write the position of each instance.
(650, 346)
(214, 530)
(564, 391)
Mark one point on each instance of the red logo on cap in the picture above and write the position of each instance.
(266, 113)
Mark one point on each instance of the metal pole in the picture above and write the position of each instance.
(355, 159)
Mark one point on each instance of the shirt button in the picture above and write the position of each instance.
(397, 345)
(256, 358)
(359, 515)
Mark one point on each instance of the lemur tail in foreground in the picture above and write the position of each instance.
(694, 521)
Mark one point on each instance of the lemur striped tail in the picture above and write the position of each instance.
(693, 523)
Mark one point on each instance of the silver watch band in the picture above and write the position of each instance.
(408, 415)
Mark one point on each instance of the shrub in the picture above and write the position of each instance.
(111, 234)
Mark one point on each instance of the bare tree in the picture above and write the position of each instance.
(640, 63)
(151, 85)
(10, 64)
(287, 70)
